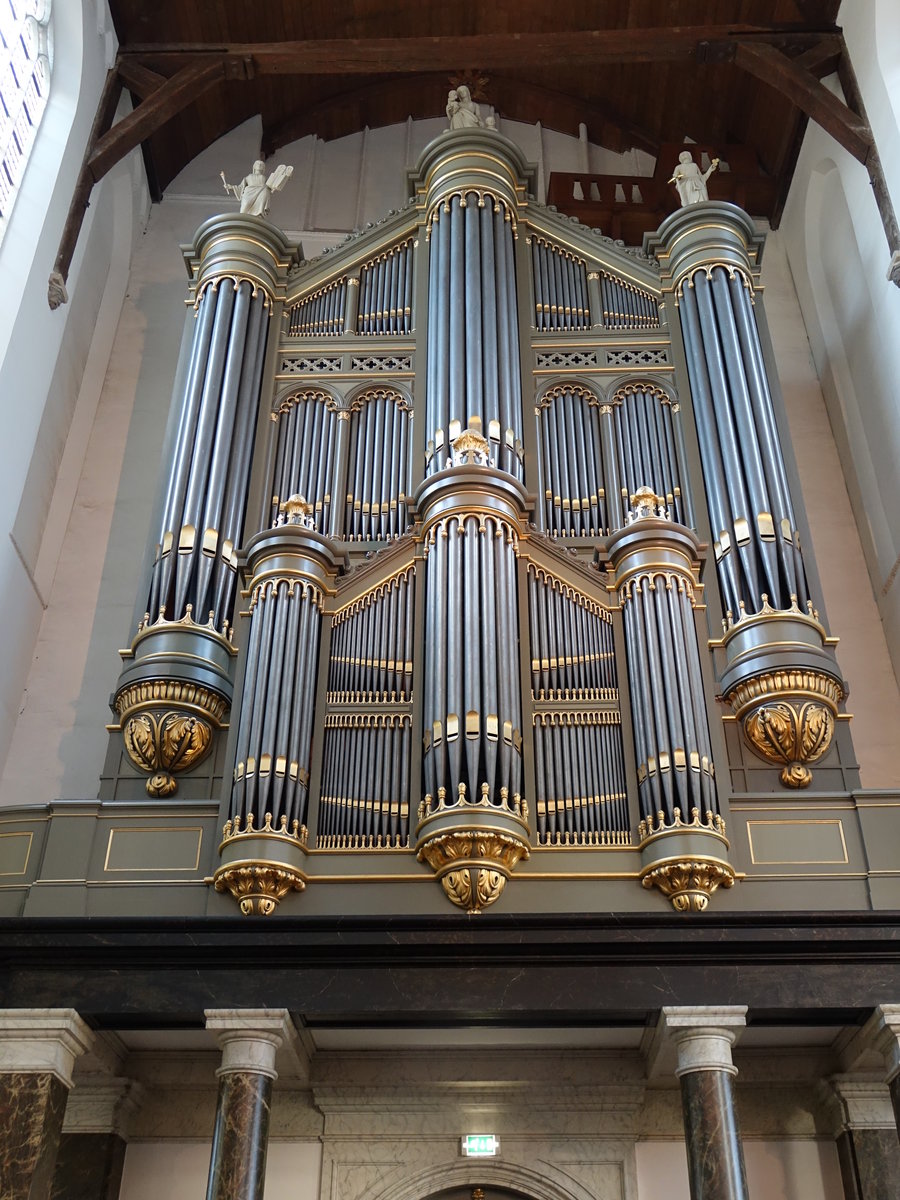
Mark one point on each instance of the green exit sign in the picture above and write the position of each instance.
(480, 1145)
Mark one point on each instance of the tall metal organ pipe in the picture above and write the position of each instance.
(206, 495)
(656, 563)
(474, 377)
(176, 685)
(780, 677)
(264, 841)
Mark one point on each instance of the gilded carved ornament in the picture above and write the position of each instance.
(473, 866)
(258, 887)
(788, 719)
(167, 727)
(689, 882)
(259, 884)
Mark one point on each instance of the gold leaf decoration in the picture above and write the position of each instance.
(140, 741)
(258, 887)
(458, 887)
(163, 742)
(689, 883)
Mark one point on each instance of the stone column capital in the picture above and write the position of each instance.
(857, 1102)
(102, 1106)
(885, 1025)
(39, 1040)
(703, 1036)
(250, 1037)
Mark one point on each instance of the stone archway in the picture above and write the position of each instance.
(497, 1179)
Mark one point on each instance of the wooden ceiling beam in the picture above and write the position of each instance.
(108, 144)
(166, 102)
(139, 79)
(487, 51)
(822, 58)
(767, 64)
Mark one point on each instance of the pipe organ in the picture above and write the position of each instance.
(415, 629)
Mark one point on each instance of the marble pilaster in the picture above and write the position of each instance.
(249, 1040)
(38, 1048)
(867, 1146)
(94, 1137)
(703, 1038)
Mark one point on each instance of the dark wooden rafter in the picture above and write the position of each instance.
(767, 64)
(847, 123)
(167, 77)
(490, 51)
(108, 144)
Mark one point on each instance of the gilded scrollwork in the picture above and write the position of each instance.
(164, 742)
(788, 719)
(167, 727)
(689, 882)
(258, 887)
(473, 865)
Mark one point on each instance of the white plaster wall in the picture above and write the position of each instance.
(838, 255)
(776, 1170)
(850, 604)
(179, 1170)
(51, 362)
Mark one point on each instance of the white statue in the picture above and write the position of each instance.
(462, 109)
(255, 190)
(690, 180)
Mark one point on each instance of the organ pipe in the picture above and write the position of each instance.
(592, 455)
(656, 562)
(581, 796)
(560, 287)
(320, 314)
(473, 342)
(175, 689)
(780, 677)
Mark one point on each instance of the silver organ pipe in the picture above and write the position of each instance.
(649, 445)
(569, 440)
(757, 544)
(560, 287)
(386, 284)
(655, 561)
(378, 468)
(195, 567)
(625, 305)
(473, 341)
(305, 453)
(579, 761)
(320, 314)
(365, 780)
(275, 733)
(594, 456)
(472, 704)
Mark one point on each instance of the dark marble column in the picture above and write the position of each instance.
(703, 1039)
(867, 1146)
(38, 1048)
(94, 1138)
(88, 1167)
(249, 1040)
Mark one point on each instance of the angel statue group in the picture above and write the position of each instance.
(255, 190)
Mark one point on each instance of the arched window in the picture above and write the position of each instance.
(24, 85)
